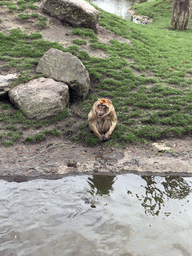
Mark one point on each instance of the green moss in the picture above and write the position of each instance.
(24, 16)
(39, 137)
(32, 6)
(85, 32)
(34, 15)
(7, 143)
(42, 22)
(79, 42)
(54, 132)
(29, 139)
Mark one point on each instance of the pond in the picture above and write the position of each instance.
(123, 215)
(118, 7)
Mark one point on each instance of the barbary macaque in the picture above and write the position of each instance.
(102, 119)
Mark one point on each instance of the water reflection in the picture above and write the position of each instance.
(134, 215)
(176, 187)
(153, 199)
(158, 189)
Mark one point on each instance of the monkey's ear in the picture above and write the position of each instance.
(97, 102)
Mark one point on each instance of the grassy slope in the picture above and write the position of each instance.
(156, 103)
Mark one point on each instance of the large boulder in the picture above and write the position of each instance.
(75, 12)
(40, 98)
(64, 67)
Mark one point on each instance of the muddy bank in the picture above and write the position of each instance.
(56, 157)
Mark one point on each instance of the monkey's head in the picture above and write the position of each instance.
(103, 107)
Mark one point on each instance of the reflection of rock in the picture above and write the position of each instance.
(75, 12)
(64, 67)
(5, 86)
(161, 147)
(40, 97)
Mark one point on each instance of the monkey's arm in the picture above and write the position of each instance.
(92, 119)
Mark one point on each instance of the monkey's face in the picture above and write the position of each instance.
(101, 109)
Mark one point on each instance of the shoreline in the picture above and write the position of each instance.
(56, 158)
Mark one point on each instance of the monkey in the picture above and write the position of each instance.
(102, 119)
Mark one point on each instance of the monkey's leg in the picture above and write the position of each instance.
(106, 127)
(112, 127)
(94, 128)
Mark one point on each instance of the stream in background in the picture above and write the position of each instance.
(118, 7)
(124, 215)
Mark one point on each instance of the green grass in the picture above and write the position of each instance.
(148, 78)
(79, 41)
(85, 33)
(20, 5)
(23, 51)
(24, 16)
(14, 122)
(42, 22)
(162, 108)
(153, 9)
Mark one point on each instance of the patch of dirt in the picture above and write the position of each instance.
(52, 157)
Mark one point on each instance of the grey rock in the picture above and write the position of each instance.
(40, 98)
(75, 12)
(161, 147)
(63, 66)
(5, 85)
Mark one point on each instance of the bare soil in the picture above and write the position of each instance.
(55, 157)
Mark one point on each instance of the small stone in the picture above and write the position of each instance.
(161, 147)
(72, 163)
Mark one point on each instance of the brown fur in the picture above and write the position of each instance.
(102, 118)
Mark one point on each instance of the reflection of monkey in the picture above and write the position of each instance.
(102, 119)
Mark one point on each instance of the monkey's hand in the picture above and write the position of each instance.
(106, 136)
(101, 137)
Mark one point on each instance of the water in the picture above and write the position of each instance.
(118, 7)
(126, 215)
